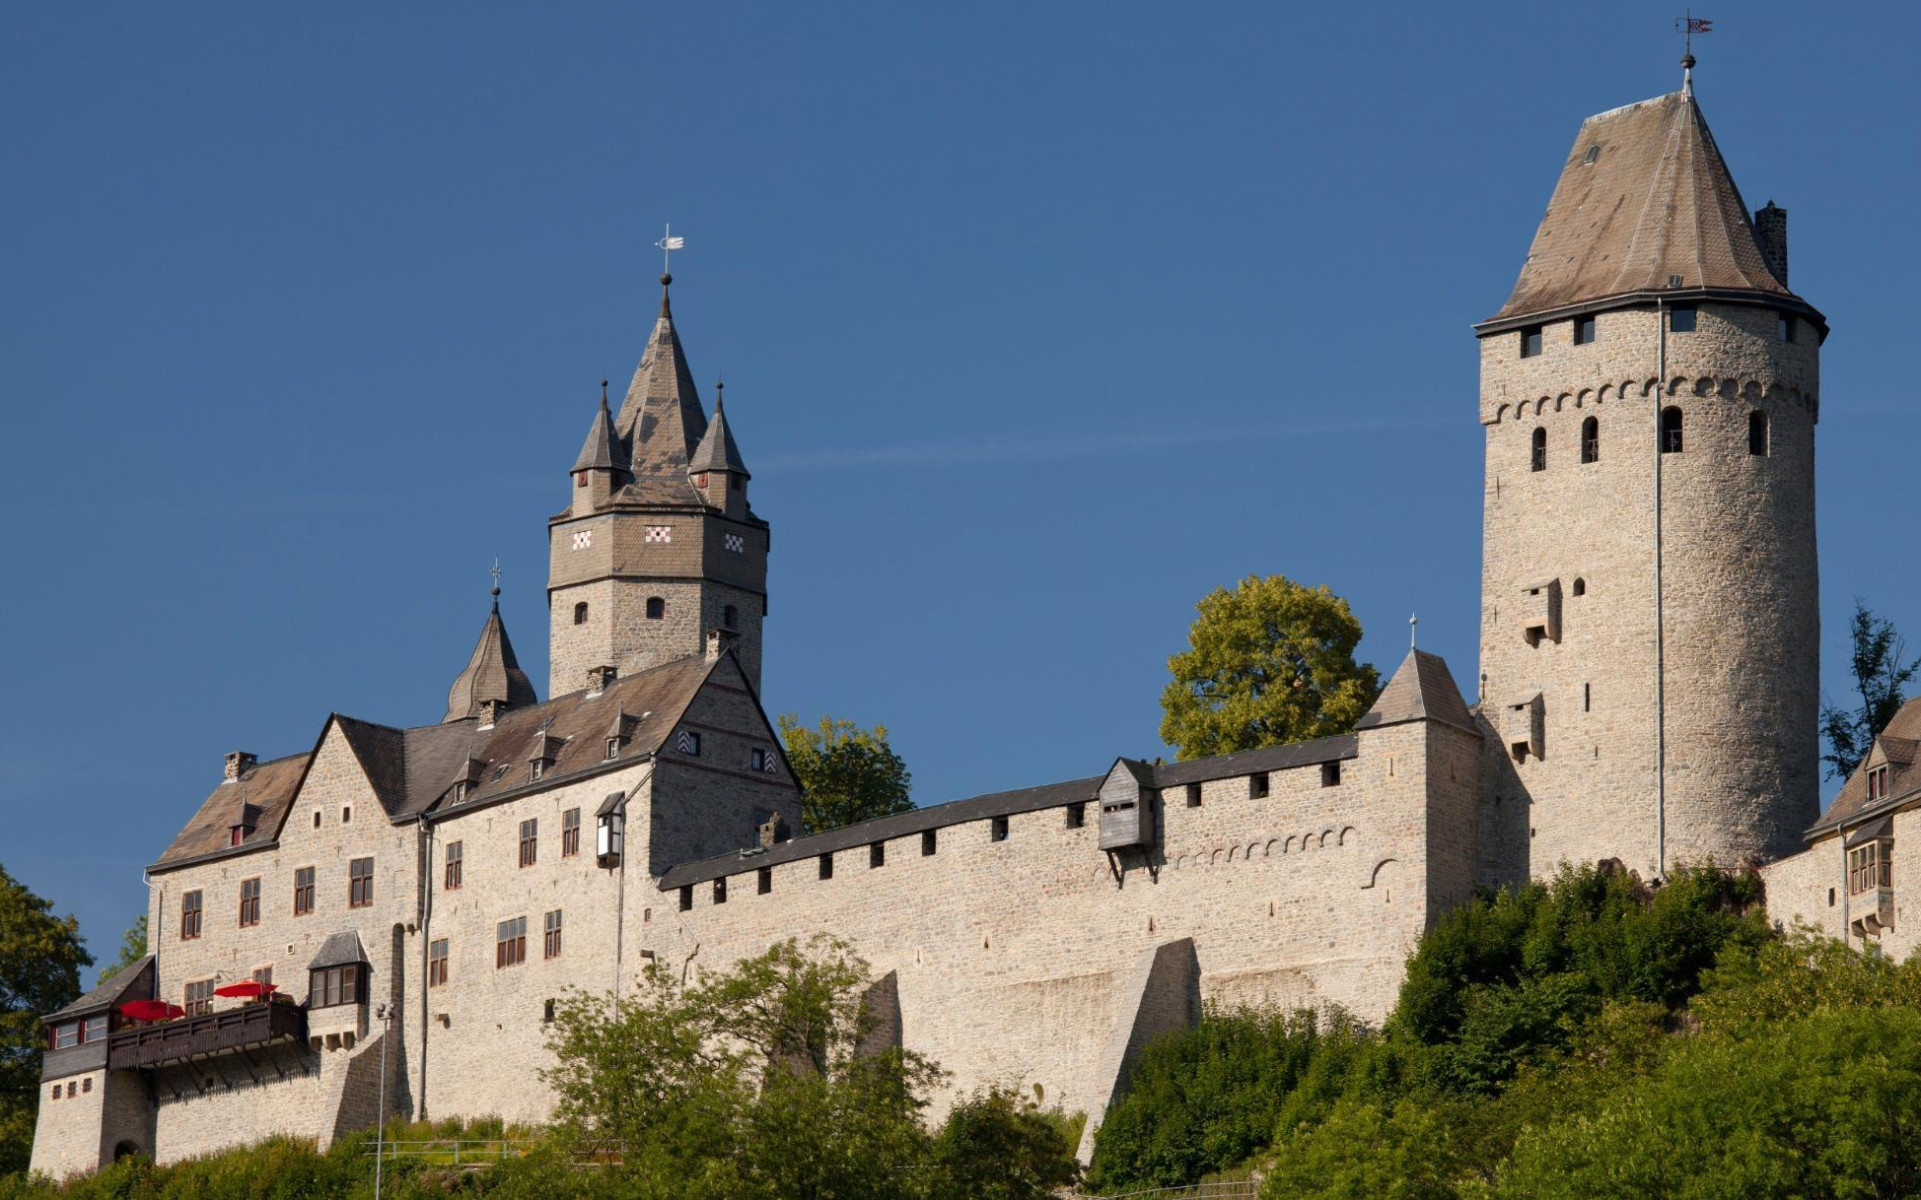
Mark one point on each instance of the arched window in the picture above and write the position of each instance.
(1670, 431)
(1580, 587)
(580, 613)
(656, 608)
(1758, 433)
(1591, 440)
(730, 617)
(1539, 459)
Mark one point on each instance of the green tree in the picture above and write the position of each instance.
(1881, 670)
(997, 1146)
(847, 774)
(133, 948)
(1269, 662)
(40, 960)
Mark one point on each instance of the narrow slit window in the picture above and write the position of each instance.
(1758, 434)
(720, 890)
(764, 881)
(1671, 441)
(1591, 440)
(1537, 459)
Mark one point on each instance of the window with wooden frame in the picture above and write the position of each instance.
(510, 943)
(302, 891)
(450, 879)
(189, 915)
(529, 841)
(1878, 783)
(550, 935)
(199, 998)
(262, 975)
(1869, 867)
(360, 883)
(437, 963)
(249, 902)
(94, 1029)
(63, 1035)
(331, 987)
(570, 833)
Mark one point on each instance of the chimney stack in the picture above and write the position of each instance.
(239, 763)
(599, 677)
(717, 642)
(490, 711)
(1771, 226)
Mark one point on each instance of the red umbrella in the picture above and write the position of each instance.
(253, 989)
(152, 1010)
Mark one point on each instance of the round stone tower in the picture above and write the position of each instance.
(1650, 628)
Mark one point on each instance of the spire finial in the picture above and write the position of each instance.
(603, 391)
(496, 574)
(1687, 26)
(720, 386)
(1413, 630)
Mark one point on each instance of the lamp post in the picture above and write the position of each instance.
(384, 1014)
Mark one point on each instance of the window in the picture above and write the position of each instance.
(687, 742)
(686, 897)
(451, 881)
(1583, 331)
(656, 608)
(1076, 815)
(1830, 897)
(199, 997)
(1531, 342)
(1587, 697)
(249, 902)
(360, 883)
(826, 866)
(757, 759)
(550, 935)
(764, 880)
(570, 833)
(70, 1088)
(86, 1084)
(1681, 319)
(437, 963)
(65, 1035)
(302, 891)
(1787, 328)
(1758, 434)
(235, 835)
(580, 613)
(720, 890)
(1592, 156)
(928, 843)
(730, 617)
(1670, 430)
(1193, 795)
(333, 986)
(613, 747)
(1580, 586)
(998, 831)
(93, 1029)
(529, 841)
(1591, 440)
(346, 815)
(547, 1012)
(510, 943)
(189, 916)
(56, 1091)
(536, 769)
(316, 818)
(262, 975)
(877, 855)
(1331, 774)
(1878, 783)
(1869, 867)
(1537, 461)
(1257, 786)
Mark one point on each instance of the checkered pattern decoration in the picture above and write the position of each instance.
(736, 543)
(583, 538)
(660, 533)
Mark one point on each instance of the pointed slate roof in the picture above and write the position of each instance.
(111, 990)
(492, 673)
(1644, 195)
(717, 451)
(661, 418)
(603, 450)
(1422, 689)
(342, 948)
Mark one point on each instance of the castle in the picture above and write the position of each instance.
(1648, 693)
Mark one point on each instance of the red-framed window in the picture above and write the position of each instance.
(437, 963)
(199, 997)
(510, 943)
(529, 841)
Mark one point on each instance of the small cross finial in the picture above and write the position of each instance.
(1413, 630)
(496, 574)
(720, 386)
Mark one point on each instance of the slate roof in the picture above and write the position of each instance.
(492, 673)
(717, 451)
(268, 785)
(341, 948)
(109, 992)
(1656, 200)
(1904, 777)
(1002, 804)
(661, 417)
(603, 450)
(1422, 688)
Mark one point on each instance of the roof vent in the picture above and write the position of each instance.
(1593, 154)
(1674, 281)
(239, 763)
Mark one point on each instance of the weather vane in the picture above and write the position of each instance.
(1688, 26)
(668, 244)
(496, 574)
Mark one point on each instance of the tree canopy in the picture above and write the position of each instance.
(848, 774)
(1881, 670)
(1269, 662)
(133, 948)
(40, 960)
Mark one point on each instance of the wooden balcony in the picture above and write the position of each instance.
(199, 1037)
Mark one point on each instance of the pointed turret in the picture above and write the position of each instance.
(1421, 689)
(603, 464)
(661, 419)
(717, 469)
(492, 674)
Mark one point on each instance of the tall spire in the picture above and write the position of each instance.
(717, 451)
(603, 449)
(492, 672)
(661, 418)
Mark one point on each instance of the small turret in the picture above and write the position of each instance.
(492, 679)
(603, 464)
(718, 472)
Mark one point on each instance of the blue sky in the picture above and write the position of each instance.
(1038, 322)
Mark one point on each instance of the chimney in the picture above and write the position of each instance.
(490, 711)
(599, 677)
(239, 763)
(717, 642)
(771, 832)
(1771, 226)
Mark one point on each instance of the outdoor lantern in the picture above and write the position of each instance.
(607, 829)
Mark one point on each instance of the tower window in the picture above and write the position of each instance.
(730, 617)
(1257, 786)
(1583, 331)
(1537, 461)
(1670, 430)
(1531, 342)
(1580, 586)
(580, 613)
(1591, 440)
(998, 832)
(1787, 328)
(656, 608)
(1681, 319)
(720, 890)
(1758, 434)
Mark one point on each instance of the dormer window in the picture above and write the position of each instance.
(613, 747)
(1878, 783)
(536, 769)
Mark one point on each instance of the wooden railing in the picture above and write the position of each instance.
(210, 1033)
